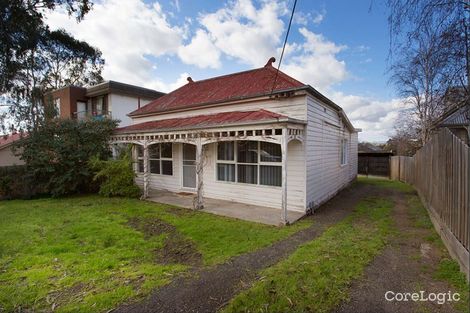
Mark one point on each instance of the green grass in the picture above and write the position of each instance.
(79, 254)
(418, 213)
(386, 183)
(449, 271)
(315, 278)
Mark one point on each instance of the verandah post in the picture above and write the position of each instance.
(284, 176)
(146, 170)
(199, 203)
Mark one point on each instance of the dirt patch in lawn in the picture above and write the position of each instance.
(209, 289)
(405, 265)
(176, 249)
(151, 226)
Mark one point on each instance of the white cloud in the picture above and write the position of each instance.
(317, 64)
(200, 51)
(319, 17)
(127, 32)
(376, 118)
(303, 18)
(161, 85)
(246, 33)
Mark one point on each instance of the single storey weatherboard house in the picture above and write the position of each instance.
(258, 137)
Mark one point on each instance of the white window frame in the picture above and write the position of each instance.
(161, 159)
(235, 162)
(141, 158)
(344, 152)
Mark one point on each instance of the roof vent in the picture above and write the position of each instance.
(190, 80)
(270, 61)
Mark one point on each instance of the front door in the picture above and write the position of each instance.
(189, 166)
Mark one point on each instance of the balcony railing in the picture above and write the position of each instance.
(96, 115)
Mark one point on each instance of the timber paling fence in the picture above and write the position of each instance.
(440, 172)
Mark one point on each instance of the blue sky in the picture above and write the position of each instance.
(338, 47)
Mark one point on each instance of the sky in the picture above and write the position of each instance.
(338, 47)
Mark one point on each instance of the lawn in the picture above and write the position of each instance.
(92, 253)
(316, 277)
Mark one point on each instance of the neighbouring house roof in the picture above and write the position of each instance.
(111, 86)
(237, 86)
(207, 120)
(456, 117)
(7, 140)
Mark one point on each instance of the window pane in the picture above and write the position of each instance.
(226, 172)
(225, 151)
(189, 152)
(154, 151)
(247, 174)
(140, 166)
(270, 175)
(140, 151)
(247, 152)
(270, 152)
(167, 167)
(155, 166)
(166, 150)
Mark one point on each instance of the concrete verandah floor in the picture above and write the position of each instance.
(253, 213)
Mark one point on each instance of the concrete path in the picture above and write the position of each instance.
(253, 213)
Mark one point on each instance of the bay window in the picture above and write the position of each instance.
(249, 162)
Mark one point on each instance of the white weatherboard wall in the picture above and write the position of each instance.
(325, 174)
(120, 106)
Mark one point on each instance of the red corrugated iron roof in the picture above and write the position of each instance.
(225, 118)
(257, 82)
(6, 140)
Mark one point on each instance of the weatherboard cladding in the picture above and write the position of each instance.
(242, 85)
(206, 120)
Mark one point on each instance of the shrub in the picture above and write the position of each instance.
(16, 182)
(116, 177)
(57, 153)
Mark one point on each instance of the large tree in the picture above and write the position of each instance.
(34, 59)
(430, 56)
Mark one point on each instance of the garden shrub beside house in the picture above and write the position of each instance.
(57, 154)
(116, 177)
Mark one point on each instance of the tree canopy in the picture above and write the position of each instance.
(35, 59)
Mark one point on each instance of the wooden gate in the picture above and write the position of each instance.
(374, 163)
